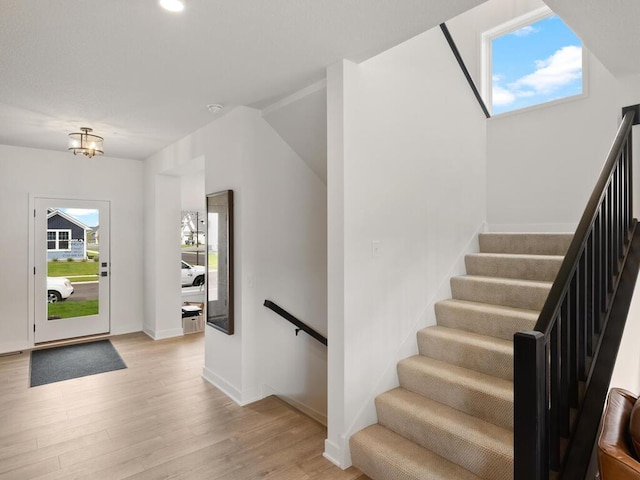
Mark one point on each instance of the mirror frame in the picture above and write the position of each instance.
(220, 316)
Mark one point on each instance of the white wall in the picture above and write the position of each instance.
(542, 163)
(342, 82)
(301, 120)
(162, 253)
(467, 28)
(407, 155)
(280, 255)
(27, 171)
(193, 194)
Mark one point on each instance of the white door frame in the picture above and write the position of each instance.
(33, 255)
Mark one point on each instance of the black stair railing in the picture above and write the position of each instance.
(301, 326)
(463, 67)
(562, 369)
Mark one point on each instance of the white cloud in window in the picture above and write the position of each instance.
(553, 73)
(501, 96)
(525, 31)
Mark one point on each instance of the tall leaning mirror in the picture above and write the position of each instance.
(220, 261)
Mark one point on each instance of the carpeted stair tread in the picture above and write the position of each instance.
(478, 446)
(483, 396)
(384, 455)
(525, 243)
(508, 265)
(452, 416)
(484, 318)
(509, 292)
(481, 353)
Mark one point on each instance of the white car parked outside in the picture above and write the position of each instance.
(58, 289)
(192, 274)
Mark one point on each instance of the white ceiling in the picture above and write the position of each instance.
(301, 120)
(142, 77)
(607, 28)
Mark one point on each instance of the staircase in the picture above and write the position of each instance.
(452, 415)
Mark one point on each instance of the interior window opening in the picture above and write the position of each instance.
(532, 60)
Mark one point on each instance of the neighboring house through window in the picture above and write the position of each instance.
(531, 60)
(58, 239)
(66, 236)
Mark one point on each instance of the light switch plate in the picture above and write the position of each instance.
(375, 248)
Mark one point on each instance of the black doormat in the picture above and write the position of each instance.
(72, 361)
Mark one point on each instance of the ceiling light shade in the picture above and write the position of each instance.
(172, 5)
(86, 143)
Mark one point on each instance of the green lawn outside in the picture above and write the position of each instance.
(213, 260)
(65, 269)
(70, 309)
(84, 278)
(88, 271)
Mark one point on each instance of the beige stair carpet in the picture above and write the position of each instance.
(452, 416)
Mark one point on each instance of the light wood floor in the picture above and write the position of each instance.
(155, 419)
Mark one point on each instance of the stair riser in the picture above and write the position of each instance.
(474, 357)
(454, 407)
(528, 244)
(483, 405)
(531, 297)
(370, 462)
(484, 323)
(445, 442)
(542, 269)
(383, 455)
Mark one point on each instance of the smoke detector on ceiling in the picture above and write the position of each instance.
(214, 107)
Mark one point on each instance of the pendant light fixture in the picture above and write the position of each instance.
(86, 143)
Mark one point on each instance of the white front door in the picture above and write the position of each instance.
(71, 243)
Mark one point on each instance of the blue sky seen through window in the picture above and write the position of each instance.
(538, 63)
(90, 217)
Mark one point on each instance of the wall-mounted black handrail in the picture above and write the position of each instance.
(463, 67)
(290, 318)
(562, 368)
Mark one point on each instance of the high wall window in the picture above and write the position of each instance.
(532, 60)
(58, 239)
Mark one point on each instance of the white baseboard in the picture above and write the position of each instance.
(221, 384)
(149, 332)
(250, 397)
(339, 455)
(162, 334)
(311, 412)
(14, 347)
(124, 329)
(229, 390)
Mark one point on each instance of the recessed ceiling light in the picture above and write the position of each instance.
(172, 5)
(214, 107)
